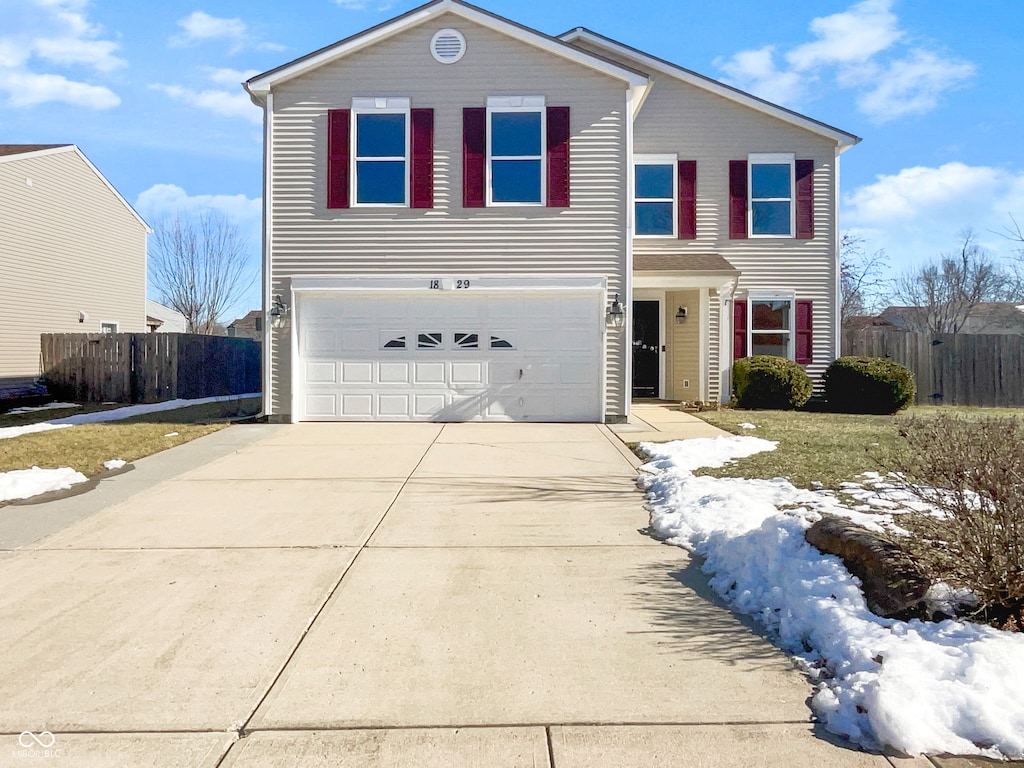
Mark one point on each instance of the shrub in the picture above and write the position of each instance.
(972, 472)
(868, 385)
(766, 381)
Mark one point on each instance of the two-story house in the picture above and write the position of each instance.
(466, 219)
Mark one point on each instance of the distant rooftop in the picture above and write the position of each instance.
(22, 149)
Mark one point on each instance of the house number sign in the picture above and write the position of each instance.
(448, 284)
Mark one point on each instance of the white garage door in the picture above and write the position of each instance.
(449, 356)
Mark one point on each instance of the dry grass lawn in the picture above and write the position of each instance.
(85, 447)
(825, 448)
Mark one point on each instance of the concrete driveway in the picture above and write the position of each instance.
(378, 595)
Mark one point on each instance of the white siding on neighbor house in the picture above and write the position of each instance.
(589, 238)
(712, 130)
(68, 244)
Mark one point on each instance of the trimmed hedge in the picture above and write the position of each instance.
(868, 385)
(766, 381)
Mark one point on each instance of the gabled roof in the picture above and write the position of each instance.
(260, 85)
(14, 152)
(648, 62)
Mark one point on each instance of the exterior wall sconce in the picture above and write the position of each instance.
(681, 316)
(278, 313)
(616, 317)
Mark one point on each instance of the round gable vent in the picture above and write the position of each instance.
(448, 46)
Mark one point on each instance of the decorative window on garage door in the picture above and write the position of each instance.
(467, 340)
(431, 340)
(501, 342)
(392, 340)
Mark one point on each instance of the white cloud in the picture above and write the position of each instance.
(26, 89)
(915, 214)
(850, 37)
(230, 77)
(755, 70)
(52, 34)
(360, 5)
(167, 199)
(235, 103)
(861, 48)
(913, 85)
(201, 27)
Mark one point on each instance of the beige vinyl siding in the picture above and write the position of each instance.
(588, 238)
(684, 346)
(697, 125)
(67, 245)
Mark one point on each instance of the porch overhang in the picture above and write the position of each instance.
(685, 270)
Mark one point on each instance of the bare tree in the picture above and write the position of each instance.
(1014, 233)
(947, 291)
(199, 266)
(861, 278)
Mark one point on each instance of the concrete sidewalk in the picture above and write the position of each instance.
(660, 422)
(386, 594)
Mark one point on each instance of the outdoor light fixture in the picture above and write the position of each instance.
(681, 316)
(278, 313)
(616, 314)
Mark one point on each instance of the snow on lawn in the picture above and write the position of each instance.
(115, 414)
(920, 687)
(25, 483)
(47, 407)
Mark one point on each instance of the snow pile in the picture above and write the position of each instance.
(114, 463)
(922, 688)
(115, 414)
(47, 407)
(25, 483)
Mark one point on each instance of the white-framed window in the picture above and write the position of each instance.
(655, 193)
(516, 140)
(771, 183)
(380, 151)
(770, 323)
(108, 327)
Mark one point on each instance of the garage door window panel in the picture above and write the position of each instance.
(430, 340)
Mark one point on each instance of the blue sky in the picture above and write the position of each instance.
(151, 93)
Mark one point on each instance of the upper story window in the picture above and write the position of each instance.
(655, 195)
(771, 187)
(380, 151)
(515, 150)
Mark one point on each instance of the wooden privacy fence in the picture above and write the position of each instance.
(148, 367)
(951, 369)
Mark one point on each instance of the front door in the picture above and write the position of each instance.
(646, 349)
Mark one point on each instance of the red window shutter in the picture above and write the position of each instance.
(804, 199)
(338, 127)
(421, 180)
(739, 328)
(687, 199)
(737, 199)
(558, 157)
(474, 157)
(804, 332)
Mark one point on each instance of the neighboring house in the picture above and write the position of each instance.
(248, 327)
(72, 253)
(999, 317)
(161, 319)
(459, 207)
